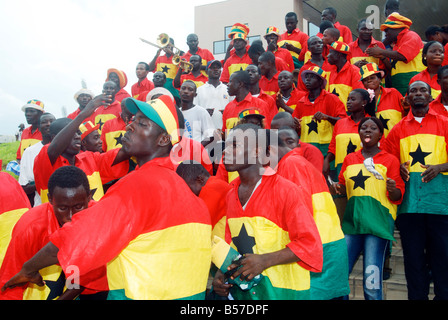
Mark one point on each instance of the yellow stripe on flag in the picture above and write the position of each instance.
(172, 263)
(415, 65)
(342, 90)
(430, 147)
(35, 292)
(343, 141)
(326, 217)
(393, 116)
(111, 142)
(296, 44)
(270, 238)
(237, 67)
(25, 143)
(322, 136)
(372, 186)
(7, 222)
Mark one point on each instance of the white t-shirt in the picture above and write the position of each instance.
(26, 168)
(198, 123)
(210, 97)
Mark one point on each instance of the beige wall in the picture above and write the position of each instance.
(211, 19)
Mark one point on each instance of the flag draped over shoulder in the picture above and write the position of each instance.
(422, 143)
(332, 282)
(275, 217)
(13, 203)
(369, 209)
(160, 251)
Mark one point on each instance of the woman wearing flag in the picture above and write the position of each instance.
(345, 139)
(388, 101)
(371, 178)
(432, 57)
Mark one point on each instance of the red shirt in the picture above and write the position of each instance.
(437, 106)
(357, 54)
(199, 80)
(120, 95)
(269, 86)
(214, 194)
(233, 109)
(426, 77)
(297, 38)
(205, 55)
(389, 108)
(343, 82)
(346, 34)
(271, 107)
(235, 63)
(97, 166)
(318, 133)
(28, 139)
(286, 56)
(294, 97)
(144, 86)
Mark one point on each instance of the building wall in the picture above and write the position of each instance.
(211, 19)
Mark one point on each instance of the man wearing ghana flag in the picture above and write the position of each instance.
(157, 251)
(269, 223)
(332, 282)
(69, 193)
(420, 142)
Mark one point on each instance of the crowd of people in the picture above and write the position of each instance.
(264, 175)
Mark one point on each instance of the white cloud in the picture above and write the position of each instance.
(48, 46)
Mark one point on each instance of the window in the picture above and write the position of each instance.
(312, 29)
(220, 46)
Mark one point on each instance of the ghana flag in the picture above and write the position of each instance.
(164, 252)
(332, 282)
(389, 108)
(421, 144)
(369, 209)
(318, 133)
(345, 140)
(112, 133)
(275, 217)
(14, 202)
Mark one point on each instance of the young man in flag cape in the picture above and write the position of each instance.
(269, 223)
(157, 251)
(69, 193)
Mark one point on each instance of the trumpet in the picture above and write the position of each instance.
(184, 65)
(163, 40)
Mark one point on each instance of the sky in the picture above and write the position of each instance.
(48, 46)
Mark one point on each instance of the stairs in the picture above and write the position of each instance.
(394, 288)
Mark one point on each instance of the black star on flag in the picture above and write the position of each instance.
(100, 123)
(419, 156)
(165, 69)
(351, 147)
(359, 180)
(335, 92)
(118, 139)
(56, 287)
(243, 242)
(312, 126)
(384, 121)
